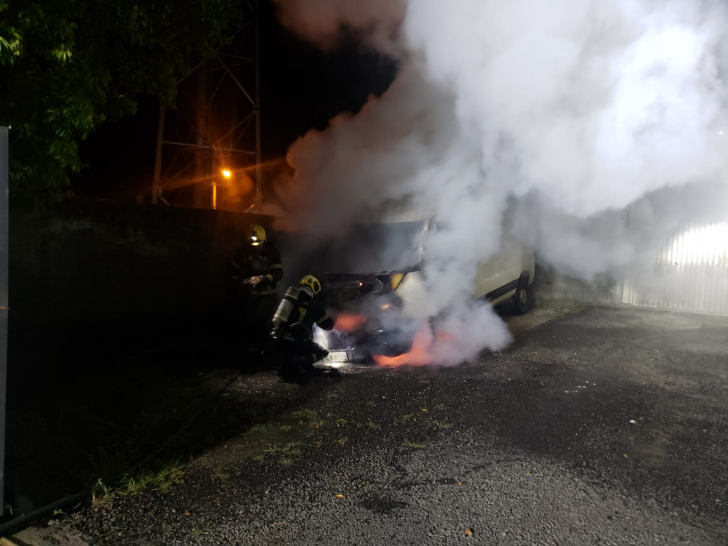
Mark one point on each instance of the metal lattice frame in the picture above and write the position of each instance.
(195, 141)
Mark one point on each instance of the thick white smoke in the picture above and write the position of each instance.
(566, 112)
(321, 21)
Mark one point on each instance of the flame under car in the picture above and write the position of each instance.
(370, 319)
(380, 314)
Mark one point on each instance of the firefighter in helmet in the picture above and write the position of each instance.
(293, 325)
(254, 273)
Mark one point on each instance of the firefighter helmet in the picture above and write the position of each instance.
(311, 282)
(256, 235)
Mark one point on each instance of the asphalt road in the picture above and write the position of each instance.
(607, 426)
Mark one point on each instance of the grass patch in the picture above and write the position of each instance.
(558, 305)
(261, 427)
(288, 453)
(101, 495)
(440, 424)
(306, 415)
(427, 422)
(414, 445)
(308, 418)
(133, 485)
(220, 473)
(290, 448)
(286, 428)
(342, 441)
(162, 480)
(372, 425)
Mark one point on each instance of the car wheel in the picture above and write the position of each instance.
(524, 297)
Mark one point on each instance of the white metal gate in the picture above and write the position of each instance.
(690, 273)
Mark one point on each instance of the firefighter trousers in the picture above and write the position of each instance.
(299, 356)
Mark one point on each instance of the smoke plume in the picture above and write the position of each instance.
(322, 22)
(594, 127)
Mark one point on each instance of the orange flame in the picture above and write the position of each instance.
(422, 352)
(349, 323)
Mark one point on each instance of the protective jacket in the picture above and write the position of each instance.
(308, 311)
(251, 261)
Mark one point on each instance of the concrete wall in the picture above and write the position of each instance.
(88, 260)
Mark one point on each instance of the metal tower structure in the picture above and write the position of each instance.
(215, 127)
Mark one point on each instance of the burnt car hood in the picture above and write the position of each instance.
(382, 330)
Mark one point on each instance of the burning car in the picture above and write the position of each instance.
(376, 288)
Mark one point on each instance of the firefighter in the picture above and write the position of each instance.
(293, 325)
(254, 273)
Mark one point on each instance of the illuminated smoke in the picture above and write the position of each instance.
(321, 22)
(571, 116)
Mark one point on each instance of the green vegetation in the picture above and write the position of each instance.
(101, 495)
(439, 424)
(257, 428)
(305, 415)
(162, 480)
(68, 66)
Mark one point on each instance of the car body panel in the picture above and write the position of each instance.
(392, 332)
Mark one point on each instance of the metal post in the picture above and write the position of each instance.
(214, 196)
(158, 157)
(214, 78)
(201, 154)
(258, 174)
(4, 260)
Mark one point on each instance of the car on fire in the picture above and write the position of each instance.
(374, 283)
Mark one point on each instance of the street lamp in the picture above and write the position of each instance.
(226, 173)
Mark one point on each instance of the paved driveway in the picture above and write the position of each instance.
(606, 426)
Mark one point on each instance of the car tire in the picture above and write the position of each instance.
(524, 297)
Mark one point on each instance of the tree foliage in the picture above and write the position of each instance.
(68, 65)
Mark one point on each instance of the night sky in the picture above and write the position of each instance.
(301, 88)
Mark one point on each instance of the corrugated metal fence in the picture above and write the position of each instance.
(690, 273)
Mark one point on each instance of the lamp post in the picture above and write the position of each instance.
(226, 173)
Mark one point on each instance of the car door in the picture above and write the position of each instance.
(492, 274)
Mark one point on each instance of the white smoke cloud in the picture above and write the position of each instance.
(601, 101)
(321, 21)
(568, 112)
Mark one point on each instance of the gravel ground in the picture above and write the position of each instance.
(607, 426)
